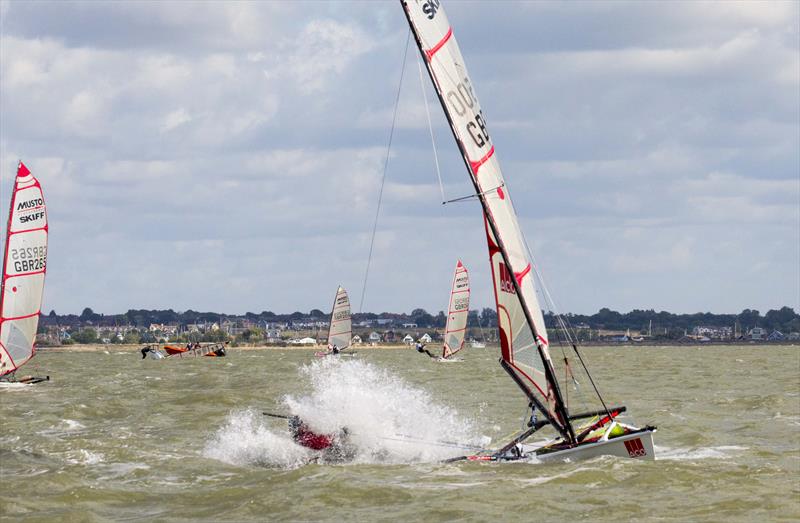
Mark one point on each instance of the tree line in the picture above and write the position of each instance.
(784, 319)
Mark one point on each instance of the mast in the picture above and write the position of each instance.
(481, 137)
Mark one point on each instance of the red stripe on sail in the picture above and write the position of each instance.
(520, 275)
(477, 165)
(432, 51)
(23, 317)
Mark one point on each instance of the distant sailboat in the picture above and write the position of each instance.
(523, 337)
(457, 312)
(340, 331)
(24, 267)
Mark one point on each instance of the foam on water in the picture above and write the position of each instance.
(678, 454)
(388, 420)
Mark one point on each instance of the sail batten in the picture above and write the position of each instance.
(24, 267)
(340, 329)
(457, 312)
(523, 335)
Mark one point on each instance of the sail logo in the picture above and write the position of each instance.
(30, 204)
(430, 7)
(341, 315)
(506, 285)
(635, 448)
(31, 217)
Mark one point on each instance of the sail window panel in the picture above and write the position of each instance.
(18, 336)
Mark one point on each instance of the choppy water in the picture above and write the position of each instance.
(116, 438)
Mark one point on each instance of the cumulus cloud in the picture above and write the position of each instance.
(228, 156)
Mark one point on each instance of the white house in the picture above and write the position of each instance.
(408, 340)
(374, 337)
(356, 339)
(425, 338)
(757, 333)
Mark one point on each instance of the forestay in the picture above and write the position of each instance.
(458, 310)
(340, 332)
(523, 336)
(24, 264)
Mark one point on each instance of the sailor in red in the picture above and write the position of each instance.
(333, 447)
(304, 436)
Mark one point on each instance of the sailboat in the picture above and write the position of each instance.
(524, 342)
(340, 331)
(457, 312)
(156, 352)
(24, 266)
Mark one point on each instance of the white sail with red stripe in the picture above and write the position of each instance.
(340, 332)
(458, 310)
(24, 265)
(523, 336)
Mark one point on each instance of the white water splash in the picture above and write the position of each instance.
(247, 440)
(388, 420)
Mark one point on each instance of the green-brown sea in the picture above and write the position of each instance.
(113, 437)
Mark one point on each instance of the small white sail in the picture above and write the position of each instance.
(524, 343)
(24, 265)
(458, 310)
(341, 331)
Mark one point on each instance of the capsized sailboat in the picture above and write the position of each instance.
(24, 267)
(525, 347)
(340, 331)
(458, 310)
(212, 350)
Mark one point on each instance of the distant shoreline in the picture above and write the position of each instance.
(97, 347)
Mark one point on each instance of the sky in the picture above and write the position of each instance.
(228, 156)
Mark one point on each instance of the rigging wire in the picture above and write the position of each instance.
(385, 169)
(430, 128)
(566, 328)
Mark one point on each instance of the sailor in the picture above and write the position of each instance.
(303, 435)
(421, 349)
(335, 350)
(333, 447)
(145, 351)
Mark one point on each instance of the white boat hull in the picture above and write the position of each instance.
(638, 445)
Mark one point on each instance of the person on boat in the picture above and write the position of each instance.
(335, 447)
(335, 350)
(422, 350)
(145, 351)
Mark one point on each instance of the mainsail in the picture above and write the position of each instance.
(523, 336)
(458, 310)
(340, 332)
(24, 265)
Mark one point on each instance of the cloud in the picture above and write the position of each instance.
(229, 156)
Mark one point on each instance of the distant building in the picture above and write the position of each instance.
(356, 339)
(757, 334)
(409, 325)
(374, 337)
(775, 335)
(425, 338)
(408, 340)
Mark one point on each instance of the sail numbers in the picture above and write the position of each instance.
(462, 101)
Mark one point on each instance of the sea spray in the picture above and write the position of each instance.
(387, 420)
(246, 439)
